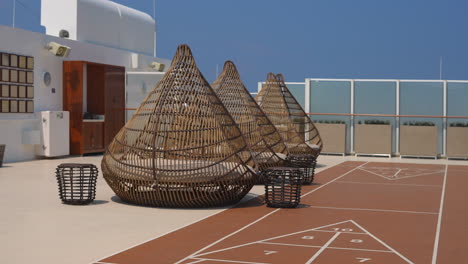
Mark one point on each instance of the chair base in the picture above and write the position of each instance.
(167, 195)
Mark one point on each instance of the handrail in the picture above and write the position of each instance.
(384, 115)
(376, 115)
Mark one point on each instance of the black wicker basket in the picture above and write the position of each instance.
(77, 183)
(283, 187)
(306, 163)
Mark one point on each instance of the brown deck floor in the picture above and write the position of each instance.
(356, 212)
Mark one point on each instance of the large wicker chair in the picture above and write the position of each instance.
(301, 120)
(298, 131)
(181, 148)
(268, 148)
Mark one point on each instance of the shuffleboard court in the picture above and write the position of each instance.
(356, 212)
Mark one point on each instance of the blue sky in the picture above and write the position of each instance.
(396, 39)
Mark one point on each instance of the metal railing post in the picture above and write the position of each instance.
(397, 119)
(307, 103)
(352, 119)
(444, 121)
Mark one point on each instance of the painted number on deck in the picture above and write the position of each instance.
(356, 241)
(268, 252)
(307, 237)
(363, 259)
(343, 229)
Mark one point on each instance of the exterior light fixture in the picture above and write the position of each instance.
(58, 49)
(157, 66)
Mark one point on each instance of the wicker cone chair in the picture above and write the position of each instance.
(298, 131)
(266, 144)
(181, 148)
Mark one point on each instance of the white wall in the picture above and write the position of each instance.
(11, 132)
(58, 15)
(101, 22)
(28, 43)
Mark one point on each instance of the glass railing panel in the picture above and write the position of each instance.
(298, 91)
(457, 131)
(378, 98)
(335, 123)
(457, 102)
(422, 98)
(328, 96)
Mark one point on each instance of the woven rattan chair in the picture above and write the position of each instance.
(298, 131)
(181, 148)
(266, 144)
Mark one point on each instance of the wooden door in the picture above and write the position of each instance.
(95, 88)
(73, 102)
(114, 102)
(93, 137)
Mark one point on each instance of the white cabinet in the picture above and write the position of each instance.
(55, 133)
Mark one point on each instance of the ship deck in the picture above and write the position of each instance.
(359, 210)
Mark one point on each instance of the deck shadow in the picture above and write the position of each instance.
(253, 202)
(99, 202)
(118, 200)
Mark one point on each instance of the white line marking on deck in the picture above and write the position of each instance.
(406, 168)
(358, 249)
(225, 249)
(231, 234)
(276, 237)
(374, 173)
(363, 259)
(439, 220)
(394, 177)
(416, 175)
(398, 172)
(371, 209)
(297, 245)
(383, 243)
(231, 261)
(394, 184)
(341, 176)
(336, 231)
(191, 223)
(323, 248)
(315, 230)
(196, 261)
(265, 216)
(151, 239)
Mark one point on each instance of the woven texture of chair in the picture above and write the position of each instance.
(298, 131)
(181, 147)
(266, 144)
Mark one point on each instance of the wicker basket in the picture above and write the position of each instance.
(283, 187)
(306, 163)
(77, 183)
